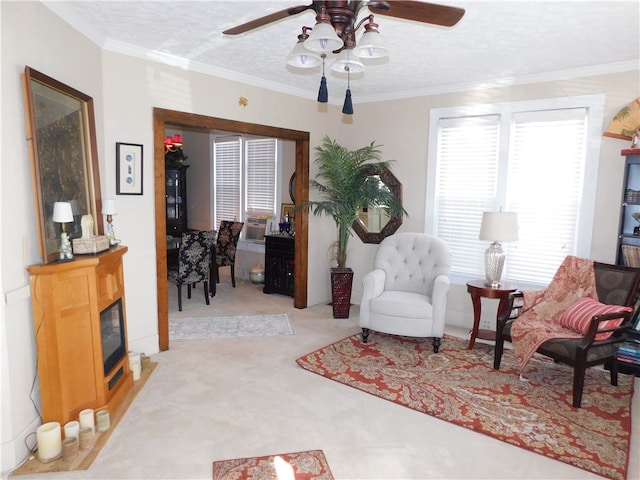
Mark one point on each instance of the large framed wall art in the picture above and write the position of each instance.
(62, 140)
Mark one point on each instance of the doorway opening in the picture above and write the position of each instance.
(162, 118)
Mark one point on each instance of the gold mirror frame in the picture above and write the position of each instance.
(394, 221)
(64, 159)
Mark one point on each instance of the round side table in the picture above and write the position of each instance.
(477, 289)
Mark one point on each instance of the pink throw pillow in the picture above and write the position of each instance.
(578, 316)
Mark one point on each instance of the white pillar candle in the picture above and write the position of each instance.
(72, 429)
(49, 439)
(103, 420)
(135, 365)
(87, 419)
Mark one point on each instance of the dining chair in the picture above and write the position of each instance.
(226, 246)
(194, 264)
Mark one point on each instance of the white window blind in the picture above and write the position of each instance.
(529, 162)
(227, 175)
(261, 170)
(544, 185)
(467, 185)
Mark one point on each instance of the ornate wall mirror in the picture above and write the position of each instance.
(64, 159)
(374, 223)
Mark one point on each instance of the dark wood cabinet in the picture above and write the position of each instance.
(176, 200)
(279, 264)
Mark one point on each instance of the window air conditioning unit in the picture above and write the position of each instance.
(256, 226)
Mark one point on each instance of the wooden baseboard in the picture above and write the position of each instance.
(85, 458)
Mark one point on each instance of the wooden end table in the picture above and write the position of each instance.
(477, 289)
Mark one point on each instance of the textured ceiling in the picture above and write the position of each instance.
(495, 43)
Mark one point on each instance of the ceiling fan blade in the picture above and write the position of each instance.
(272, 17)
(421, 12)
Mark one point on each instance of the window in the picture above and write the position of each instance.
(538, 159)
(245, 177)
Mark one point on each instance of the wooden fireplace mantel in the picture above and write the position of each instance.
(67, 299)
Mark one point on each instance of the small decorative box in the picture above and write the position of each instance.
(90, 245)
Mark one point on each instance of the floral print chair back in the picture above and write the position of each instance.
(228, 235)
(194, 263)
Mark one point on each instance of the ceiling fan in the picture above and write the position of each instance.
(343, 14)
(335, 32)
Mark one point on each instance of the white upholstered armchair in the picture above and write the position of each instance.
(406, 293)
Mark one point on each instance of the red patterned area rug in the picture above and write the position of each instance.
(309, 465)
(461, 387)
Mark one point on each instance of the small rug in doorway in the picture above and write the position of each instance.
(460, 386)
(196, 328)
(309, 465)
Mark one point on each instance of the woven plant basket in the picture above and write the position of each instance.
(341, 282)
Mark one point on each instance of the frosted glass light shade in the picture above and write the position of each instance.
(109, 207)
(347, 61)
(323, 38)
(62, 212)
(499, 226)
(371, 45)
(301, 57)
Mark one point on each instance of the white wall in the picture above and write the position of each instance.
(49, 46)
(125, 90)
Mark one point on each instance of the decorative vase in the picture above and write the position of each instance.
(257, 274)
(341, 283)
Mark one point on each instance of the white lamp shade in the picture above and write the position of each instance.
(371, 45)
(109, 207)
(301, 57)
(347, 61)
(62, 212)
(323, 38)
(499, 226)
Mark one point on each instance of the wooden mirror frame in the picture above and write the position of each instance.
(64, 158)
(394, 222)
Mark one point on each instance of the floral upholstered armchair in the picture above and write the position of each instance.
(579, 319)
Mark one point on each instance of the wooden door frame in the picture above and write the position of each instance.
(162, 118)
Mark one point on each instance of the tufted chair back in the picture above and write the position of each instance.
(411, 261)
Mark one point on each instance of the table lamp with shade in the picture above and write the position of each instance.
(497, 227)
(109, 209)
(63, 214)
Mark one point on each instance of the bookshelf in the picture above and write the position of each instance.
(629, 253)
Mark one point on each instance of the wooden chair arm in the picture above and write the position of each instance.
(595, 329)
(512, 308)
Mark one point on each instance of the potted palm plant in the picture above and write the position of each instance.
(345, 189)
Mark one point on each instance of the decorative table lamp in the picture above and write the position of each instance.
(109, 209)
(63, 214)
(497, 227)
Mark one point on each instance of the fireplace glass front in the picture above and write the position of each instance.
(112, 329)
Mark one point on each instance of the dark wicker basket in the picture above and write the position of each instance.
(341, 282)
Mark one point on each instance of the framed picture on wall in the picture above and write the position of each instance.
(286, 208)
(128, 169)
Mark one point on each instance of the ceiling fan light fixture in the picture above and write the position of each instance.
(371, 45)
(323, 36)
(300, 57)
(347, 61)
